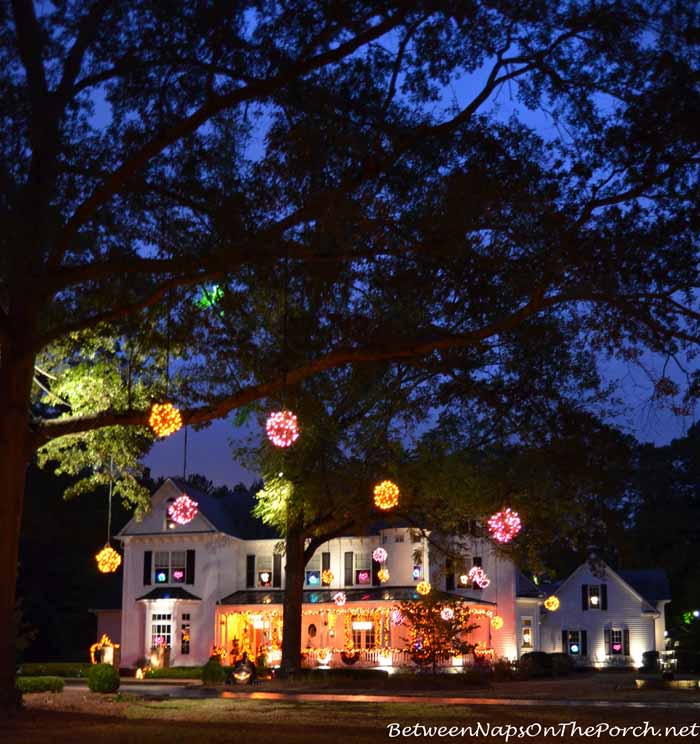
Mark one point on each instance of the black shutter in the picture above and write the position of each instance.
(584, 643)
(564, 641)
(476, 560)
(250, 571)
(375, 571)
(450, 575)
(608, 649)
(626, 641)
(147, 562)
(325, 566)
(348, 568)
(603, 596)
(277, 570)
(584, 596)
(189, 569)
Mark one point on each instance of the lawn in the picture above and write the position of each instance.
(76, 715)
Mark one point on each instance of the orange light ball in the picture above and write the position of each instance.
(108, 560)
(496, 622)
(386, 495)
(423, 588)
(165, 419)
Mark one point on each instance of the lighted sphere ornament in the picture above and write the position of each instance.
(464, 579)
(165, 419)
(282, 428)
(423, 588)
(552, 603)
(108, 560)
(327, 576)
(447, 613)
(379, 555)
(504, 525)
(478, 576)
(396, 617)
(496, 622)
(183, 510)
(339, 598)
(383, 575)
(386, 495)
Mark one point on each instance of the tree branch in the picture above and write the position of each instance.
(30, 47)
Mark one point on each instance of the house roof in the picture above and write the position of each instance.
(230, 514)
(162, 592)
(651, 583)
(323, 596)
(525, 587)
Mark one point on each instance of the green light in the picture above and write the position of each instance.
(210, 297)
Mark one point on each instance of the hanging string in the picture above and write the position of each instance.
(109, 502)
(285, 306)
(184, 458)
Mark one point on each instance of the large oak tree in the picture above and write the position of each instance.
(148, 148)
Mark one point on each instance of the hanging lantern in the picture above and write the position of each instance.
(282, 428)
(165, 419)
(504, 525)
(423, 588)
(552, 603)
(447, 613)
(379, 555)
(383, 575)
(496, 622)
(340, 598)
(183, 509)
(327, 576)
(108, 560)
(386, 495)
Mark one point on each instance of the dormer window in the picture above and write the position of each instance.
(594, 596)
(264, 568)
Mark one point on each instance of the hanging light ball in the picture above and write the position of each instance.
(379, 555)
(340, 598)
(447, 613)
(552, 603)
(282, 428)
(386, 495)
(496, 622)
(423, 588)
(108, 560)
(327, 576)
(383, 575)
(464, 579)
(183, 509)
(504, 525)
(478, 576)
(165, 419)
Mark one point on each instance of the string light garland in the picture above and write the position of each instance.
(423, 588)
(504, 525)
(496, 622)
(282, 428)
(386, 495)
(340, 598)
(165, 419)
(108, 560)
(478, 576)
(183, 510)
(552, 603)
(379, 555)
(327, 576)
(383, 575)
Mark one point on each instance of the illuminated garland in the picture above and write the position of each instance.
(379, 555)
(423, 588)
(496, 622)
(386, 495)
(504, 525)
(282, 428)
(183, 510)
(552, 603)
(383, 575)
(102, 643)
(108, 560)
(481, 651)
(165, 419)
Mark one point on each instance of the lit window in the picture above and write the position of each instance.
(161, 630)
(177, 566)
(161, 572)
(616, 647)
(312, 575)
(417, 573)
(264, 566)
(594, 596)
(185, 634)
(574, 642)
(363, 568)
(527, 632)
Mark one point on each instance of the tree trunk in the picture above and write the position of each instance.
(15, 389)
(293, 600)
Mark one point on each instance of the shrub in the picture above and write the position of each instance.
(561, 664)
(39, 684)
(103, 678)
(688, 661)
(193, 672)
(213, 673)
(55, 669)
(502, 670)
(535, 664)
(650, 661)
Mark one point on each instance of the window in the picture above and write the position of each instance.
(574, 642)
(162, 567)
(161, 630)
(185, 634)
(616, 647)
(178, 566)
(363, 635)
(264, 567)
(416, 536)
(398, 538)
(312, 575)
(476, 562)
(363, 568)
(527, 632)
(594, 596)
(417, 572)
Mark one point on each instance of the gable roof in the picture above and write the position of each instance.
(651, 583)
(525, 587)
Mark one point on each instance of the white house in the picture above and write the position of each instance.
(217, 583)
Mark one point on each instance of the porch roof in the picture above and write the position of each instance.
(163, 592)
(325, 596)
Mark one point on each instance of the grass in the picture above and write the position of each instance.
(55, 669)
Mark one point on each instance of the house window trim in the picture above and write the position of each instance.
(531, 627)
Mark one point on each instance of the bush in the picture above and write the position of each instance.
(561, 664)
(39, 684)
(502, 670)
(688, 661)
(55, 669)
(535, 664)
(103, 678)
(650, 661)
(193, 672)
(213, 673)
